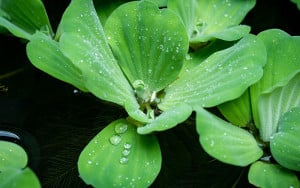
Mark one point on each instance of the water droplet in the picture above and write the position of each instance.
(127, 146)
(121, 128)
(123, 160)
(89, 162)
(126, 152)
(115, 139)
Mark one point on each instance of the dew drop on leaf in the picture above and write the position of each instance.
(127, 146)
(115, 139)
(123, 160)
(121, 128)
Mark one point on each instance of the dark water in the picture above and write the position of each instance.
(54, 121)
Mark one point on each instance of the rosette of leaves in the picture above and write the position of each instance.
(264, 123)
(140, 60)
(13, 167)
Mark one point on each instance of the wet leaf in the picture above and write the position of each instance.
(24, 18)
(283, 64)
(12, 156)
(19, 178)
(223, 76)
(118, 156)
(273, 105)
(44, 53)
(82, 40)
(149, 43)
(285, 143)
(206, 20)
(168, 119)
(267, 175)
(226, 142)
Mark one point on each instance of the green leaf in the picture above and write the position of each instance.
(82, 40)
(12, 156)
(149, 43)
(24, 18)
(267, 175)
(297, 2)
(273, 105)
(283, 63)
(237, 111)
(226, 142)
(120, 157)
(168, 119)
(205, 19)
(285, 143)
(19, 178)
(44, 53)
(223, 76)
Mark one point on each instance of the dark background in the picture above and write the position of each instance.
(55, 121)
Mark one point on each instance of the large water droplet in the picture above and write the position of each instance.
(123, 160)
(121, 128)
(115, 139)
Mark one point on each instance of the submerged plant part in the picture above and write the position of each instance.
(157, 64)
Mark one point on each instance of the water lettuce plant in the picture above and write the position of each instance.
(161, 61)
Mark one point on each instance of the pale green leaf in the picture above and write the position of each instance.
(83, 41)
(237, 111)
(149, 43)
(285, 143)
(226, 142)
(272, 106)
(168, 119)
(283, 64)
(209, 19)
(24, 18)
(223, 76)
(267, 175)
(119, 157)
(12, 156)
(18, 178)
(44, 53)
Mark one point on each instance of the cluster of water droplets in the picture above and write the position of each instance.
(116, 140)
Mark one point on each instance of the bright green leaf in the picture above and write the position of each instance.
(237, 111)
(223, 76)
(226, 142)
(12, 156)
(283, 64)
(267, 175)
(119, 157)
(44, 53)
(297, 2)
(149, 43)
(168, 119)
(207, 19)
(285, 143)
(18, 178)
(82, 40)
(24, 18)
(273, 105)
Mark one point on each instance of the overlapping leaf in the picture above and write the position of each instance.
(44, 53)
(267, 175)
(13, 170)
(149, 43)
(226, 142)
(24, 18)
(283, 64)
(285, 143)
(205, 20)
(223, 76)
(83, 41)
(119, 157)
